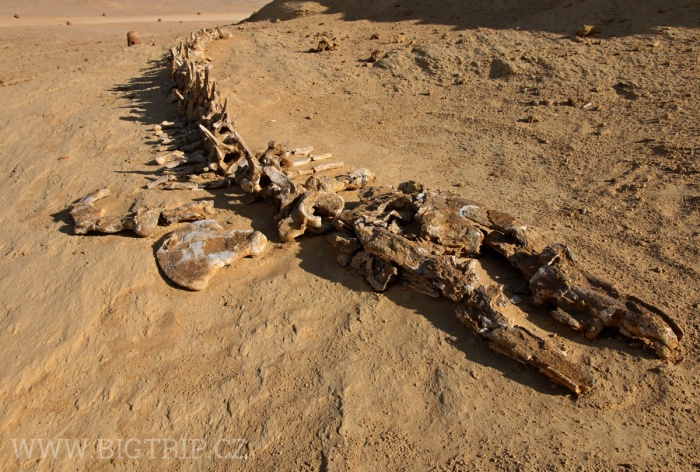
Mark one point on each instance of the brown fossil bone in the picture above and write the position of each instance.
(314, 213)
(191, 256)
(226, 152)
(353, 180)
(189, 212)
(443, 221)
(140, 220)
(588, 304)
(280, 190)
(426, 273)
(377, 271)
(379, 206)
(481, 311)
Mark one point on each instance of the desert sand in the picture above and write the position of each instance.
(289, 361)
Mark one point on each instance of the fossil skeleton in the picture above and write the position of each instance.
(429, 239)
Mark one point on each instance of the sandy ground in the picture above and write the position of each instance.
(592, 141)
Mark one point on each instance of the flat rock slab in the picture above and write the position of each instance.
(192, 255)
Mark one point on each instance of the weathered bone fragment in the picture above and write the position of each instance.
(329, 166)
(356, 179)
(183, 170)
(286, 163)
(176, 185)
(377, 271)
(433, 275)
(191, 256)
(280, 190)
(189, 212)
(251, 175)
(314, 213)
(275, 155)
(594, 304)
(580, 300)
(158, 182)
(169, 125)
(379, 206)
(481, 312)
(226, 152)
(344, 243)
(321, 157)
(174, 156)
(84, 213)
(443, 221)
(305, 151)
(142, 221)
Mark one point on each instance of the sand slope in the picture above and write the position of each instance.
(291, 352)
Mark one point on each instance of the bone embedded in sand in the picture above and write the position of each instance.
(592, 304)
(191, 256)
(87, 218)
(314, 213)
(190, 212)
(482, 312)
(304, 151)
(353, 180)
(329, 166)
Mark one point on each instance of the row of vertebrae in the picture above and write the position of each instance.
(429, 239)
(269, 174)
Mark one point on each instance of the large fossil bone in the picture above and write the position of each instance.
(481, 312)
(429, 274)
(314, 213)
(444, 226)
(189, 212)
(192, 255)
(142, 221)
(353, 180)
(588, 304)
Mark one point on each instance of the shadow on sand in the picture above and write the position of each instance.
(564, 17)
(148, 106)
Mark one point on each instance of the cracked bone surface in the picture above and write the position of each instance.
(580, 300)
(188, 212)
(192, 255)
(353, 180)
(426, 235)
(314, 213)
(426, 273)
(142, 221)
(592, 304)
(481, 312)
